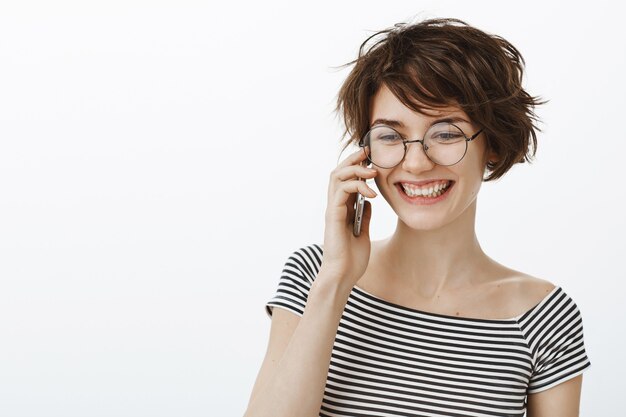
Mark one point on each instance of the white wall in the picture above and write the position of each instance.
(159, 160)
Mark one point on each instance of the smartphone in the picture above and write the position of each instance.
(358, 210)
(358, 213)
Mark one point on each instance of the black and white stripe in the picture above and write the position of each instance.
(390, 360)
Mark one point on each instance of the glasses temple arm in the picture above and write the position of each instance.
(475, 135)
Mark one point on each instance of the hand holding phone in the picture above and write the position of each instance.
(345, 256)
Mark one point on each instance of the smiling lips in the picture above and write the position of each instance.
(432, 189)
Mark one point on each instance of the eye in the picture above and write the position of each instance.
(384, 134)
(446, 135)
(390, 137)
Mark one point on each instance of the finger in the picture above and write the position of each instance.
(348, 188)
(353, 171)
(350, 202)
(354, 158)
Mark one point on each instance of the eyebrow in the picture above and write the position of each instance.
(397, 123)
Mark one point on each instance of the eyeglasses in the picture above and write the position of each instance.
(443, 143)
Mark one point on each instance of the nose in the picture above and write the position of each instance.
(415, 159)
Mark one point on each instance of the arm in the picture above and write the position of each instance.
(294, 384)
(562, 400)
(291, 383)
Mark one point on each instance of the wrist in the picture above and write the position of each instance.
(332, 284)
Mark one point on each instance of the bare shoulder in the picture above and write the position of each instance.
(530, 287)
(516, 292)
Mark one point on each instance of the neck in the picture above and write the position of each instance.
(429, 262)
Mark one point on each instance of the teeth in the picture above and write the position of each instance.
(432, 191)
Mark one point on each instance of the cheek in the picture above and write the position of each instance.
(476, 187)
(381, 183)
(472, 166)
(377, 181)
(474, 178)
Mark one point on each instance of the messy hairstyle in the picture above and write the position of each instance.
(441, 62)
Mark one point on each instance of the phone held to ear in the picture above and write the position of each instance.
(358, 210)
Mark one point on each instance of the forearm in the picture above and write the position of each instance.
(297, 386)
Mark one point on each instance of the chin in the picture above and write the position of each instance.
(422, 222)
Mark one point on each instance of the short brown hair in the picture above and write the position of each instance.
(441, 62)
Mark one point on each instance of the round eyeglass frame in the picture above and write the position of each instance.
(404, 143)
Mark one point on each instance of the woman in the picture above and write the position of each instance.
(423, 323)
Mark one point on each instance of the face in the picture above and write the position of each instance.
(402, 185)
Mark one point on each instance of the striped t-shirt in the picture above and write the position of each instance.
(390, 360)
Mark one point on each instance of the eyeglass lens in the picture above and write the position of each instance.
(444, 144)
